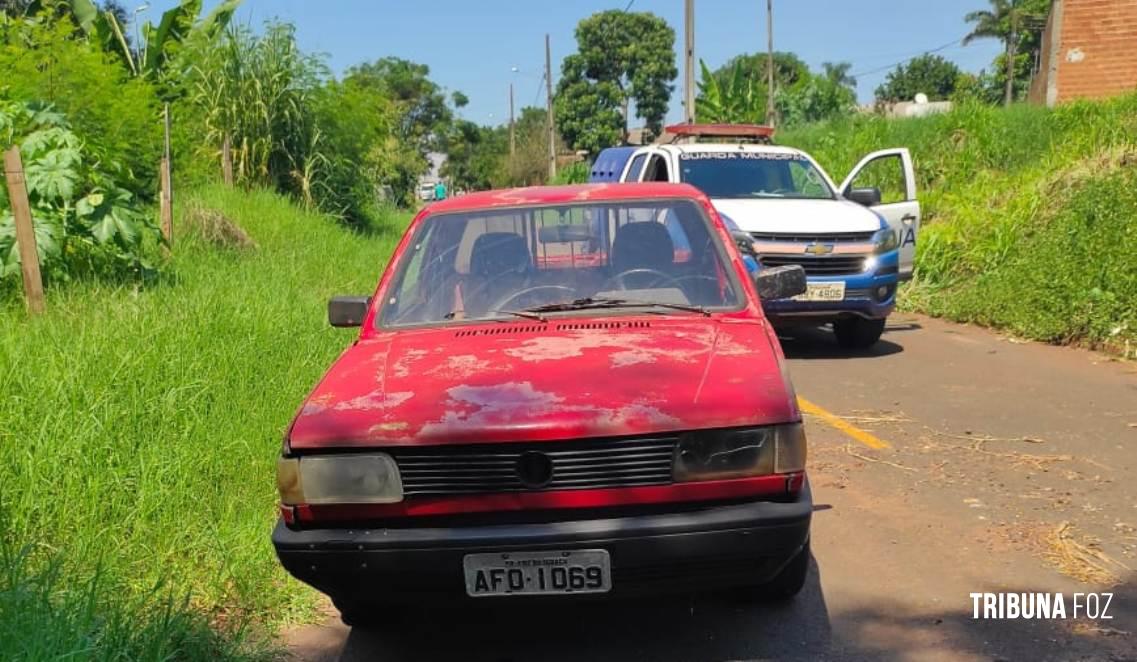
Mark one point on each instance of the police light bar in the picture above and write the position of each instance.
(755, 132)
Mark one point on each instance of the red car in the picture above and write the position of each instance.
(513, 422)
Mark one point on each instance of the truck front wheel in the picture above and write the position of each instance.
(857, 332)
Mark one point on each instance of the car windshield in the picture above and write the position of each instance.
(655, 255)
(750, 174)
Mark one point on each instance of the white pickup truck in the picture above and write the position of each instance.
(854, 246)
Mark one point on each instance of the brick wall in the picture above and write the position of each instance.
(1097, 48)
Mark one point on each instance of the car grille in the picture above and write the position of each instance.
(590, 464)
(819, 266)
(829, 238)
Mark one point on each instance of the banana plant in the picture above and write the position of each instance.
(159, 42)
(737, 101)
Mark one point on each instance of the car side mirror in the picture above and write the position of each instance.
(869, 196)
(346, 312)
(744, 242)
(780, 282)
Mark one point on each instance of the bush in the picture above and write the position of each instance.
(85, 221)
(117, 116)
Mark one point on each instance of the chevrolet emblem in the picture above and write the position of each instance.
(819, 249)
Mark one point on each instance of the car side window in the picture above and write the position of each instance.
(636, 168)
(657, 170)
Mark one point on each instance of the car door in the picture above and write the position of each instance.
(635, 166)
(890, 171)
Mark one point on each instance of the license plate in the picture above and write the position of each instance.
(823, 292)
(538, 573)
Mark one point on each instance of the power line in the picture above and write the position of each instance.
(953, 42)
(630, 3)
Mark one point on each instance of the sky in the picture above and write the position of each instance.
(473, 46)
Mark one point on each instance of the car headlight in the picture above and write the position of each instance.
(326, 479)
(723, 454)
(884, 240)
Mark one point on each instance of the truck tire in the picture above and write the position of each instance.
(858, 332)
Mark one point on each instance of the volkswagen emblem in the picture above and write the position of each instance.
(534, 469)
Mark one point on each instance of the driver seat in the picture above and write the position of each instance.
(500, 264)
(642, 245)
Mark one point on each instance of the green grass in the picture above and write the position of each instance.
(139, 429)
(1030, 216)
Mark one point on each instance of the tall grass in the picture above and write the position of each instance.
(139, 428)
(1030, 221)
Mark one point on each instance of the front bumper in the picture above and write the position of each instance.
(860, 300)
(714, 547)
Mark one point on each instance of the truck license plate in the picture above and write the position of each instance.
(823, 292)
(538, 573)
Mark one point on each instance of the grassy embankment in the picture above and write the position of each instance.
(1030, 214)
(138, 433)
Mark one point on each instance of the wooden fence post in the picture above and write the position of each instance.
(25, 231)
(227, 161)
(166, 194)
(165, 204)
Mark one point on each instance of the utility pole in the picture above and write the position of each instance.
(770, 62)
(512, 140)
(549, 110)
(689, 61)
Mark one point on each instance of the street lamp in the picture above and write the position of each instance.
(134, 19)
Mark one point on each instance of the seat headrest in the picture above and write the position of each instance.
(497, 253)
(644, 245)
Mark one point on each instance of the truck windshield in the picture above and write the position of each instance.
(660, 256)
(745, 174)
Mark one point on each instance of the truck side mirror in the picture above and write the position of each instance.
(744, 242)
(869, 196)
(780, 282)
(344, 311)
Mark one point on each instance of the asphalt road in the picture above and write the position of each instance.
(947, 461)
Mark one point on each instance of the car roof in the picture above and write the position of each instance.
(559, 195)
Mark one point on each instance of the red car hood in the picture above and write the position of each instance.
(532, 382)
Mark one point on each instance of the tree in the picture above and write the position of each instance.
(1008, 21)
(838, 74)
(746, 74)
(422, 103)
(928, 74)
(815, 99)
(628, 58)
(588, 113)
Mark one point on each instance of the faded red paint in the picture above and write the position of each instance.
(573, 377)
(531, 382)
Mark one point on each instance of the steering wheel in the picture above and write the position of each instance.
(500, 304)
(619, 278)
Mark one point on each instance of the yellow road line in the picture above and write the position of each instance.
(838, 423)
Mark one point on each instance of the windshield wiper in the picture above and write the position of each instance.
(605, 302)
(527, 314)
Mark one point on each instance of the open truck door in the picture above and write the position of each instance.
(889, 173)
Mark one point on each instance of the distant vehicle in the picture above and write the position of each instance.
(854, 248)
(548, 397)
(426, 192)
